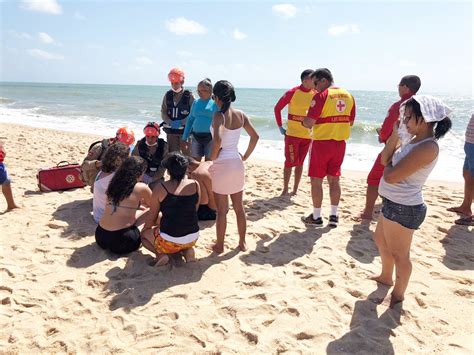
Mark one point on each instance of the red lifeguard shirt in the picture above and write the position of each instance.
(392, 116)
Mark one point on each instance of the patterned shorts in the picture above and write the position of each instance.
(163, 246)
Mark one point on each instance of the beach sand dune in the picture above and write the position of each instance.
(297, 289)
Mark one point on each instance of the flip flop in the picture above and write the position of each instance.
(465, 221)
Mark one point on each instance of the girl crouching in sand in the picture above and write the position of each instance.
(117, 230)
(178, 200)
(406, 170)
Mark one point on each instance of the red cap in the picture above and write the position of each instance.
(125, 135)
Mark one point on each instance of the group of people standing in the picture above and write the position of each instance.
(167, 223)
(320, 116)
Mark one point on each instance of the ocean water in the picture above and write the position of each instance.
(100, 109)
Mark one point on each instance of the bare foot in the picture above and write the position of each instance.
(243, 246)
(189, 255)
(9, 208)
(285, 193)
(382, 280)
(218, 249)
(162, 259)
(460, 210)
(394, 300)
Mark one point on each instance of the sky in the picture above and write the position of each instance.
(367, 45)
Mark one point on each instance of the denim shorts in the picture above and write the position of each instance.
(199, 150)
(469, 160)
(410, 217)
(4, 178)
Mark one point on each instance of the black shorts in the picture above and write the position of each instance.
(122, 241)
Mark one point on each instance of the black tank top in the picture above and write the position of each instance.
(179, 215)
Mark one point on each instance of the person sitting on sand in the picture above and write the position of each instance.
(117, 230)
(228, 171)
(199, 171)
(465, 209)
(5, 181)
(91, 165)
(153, 149)
(177, 199)
(113, 158)
(406, 170)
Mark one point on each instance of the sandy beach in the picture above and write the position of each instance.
(297, 289)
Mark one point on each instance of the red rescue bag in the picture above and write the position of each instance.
(63, 176)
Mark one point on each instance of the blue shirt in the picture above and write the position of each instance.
(200, 117)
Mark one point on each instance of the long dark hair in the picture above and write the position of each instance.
(124, 180)
(224, 90)
(176, 164)
(442, 127)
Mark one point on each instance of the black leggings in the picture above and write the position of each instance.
(122, 241)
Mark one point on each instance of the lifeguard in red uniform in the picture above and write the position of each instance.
(331, 115)
(297, 137)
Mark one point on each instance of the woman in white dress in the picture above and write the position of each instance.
(227, 171)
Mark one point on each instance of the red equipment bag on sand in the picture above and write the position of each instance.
(63, 176)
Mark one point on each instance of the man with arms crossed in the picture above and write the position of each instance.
(331, 115)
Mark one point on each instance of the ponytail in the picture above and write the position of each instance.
(224, 90)
(442, 127)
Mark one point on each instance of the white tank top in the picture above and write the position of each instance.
(229, 142)
(408, 191)
(100, 198)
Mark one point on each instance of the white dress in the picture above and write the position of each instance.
(227, 171)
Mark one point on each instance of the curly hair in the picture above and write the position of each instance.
(176, 164)
(224, 90)
(114, 156)
(124, 180)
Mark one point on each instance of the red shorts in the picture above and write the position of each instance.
(295, 151)
(326, 158)
(376, 173)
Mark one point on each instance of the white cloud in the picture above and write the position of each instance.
(184, 54)
(238, 35)
(79, 16)
(46, 6)
(38, 53)
(22, 35)
(336, 30)
(143, 60)
(45, 38)
(182, 26)
(285, 10)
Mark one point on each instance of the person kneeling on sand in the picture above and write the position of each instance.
(92, 164)
(5, 182)
(153, 149)
(177, 199)
(113, 158)
(117, 230)
(199, 171)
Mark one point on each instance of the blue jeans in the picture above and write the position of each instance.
(410, 217)
(201, 147)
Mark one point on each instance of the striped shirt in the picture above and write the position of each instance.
(470, 131)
